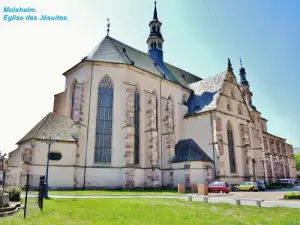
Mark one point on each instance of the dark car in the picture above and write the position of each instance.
(287, 183)
(219, 187)
(261, 185)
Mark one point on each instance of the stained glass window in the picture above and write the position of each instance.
(104, 122)
(136, 127)
(231, 149)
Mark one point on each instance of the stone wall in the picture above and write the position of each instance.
(59, 103)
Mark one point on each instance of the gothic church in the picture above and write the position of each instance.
(128, 119)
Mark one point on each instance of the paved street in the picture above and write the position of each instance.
(268, 195)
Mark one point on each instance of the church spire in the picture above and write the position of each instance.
(245, 87)
(155, 12)
(243, 79)
(155, 39)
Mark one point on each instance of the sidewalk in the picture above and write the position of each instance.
(194, 197)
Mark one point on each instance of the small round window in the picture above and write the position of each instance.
(55, 156)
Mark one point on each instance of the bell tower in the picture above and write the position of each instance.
(155, 40)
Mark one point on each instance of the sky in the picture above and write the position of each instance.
(199, 37)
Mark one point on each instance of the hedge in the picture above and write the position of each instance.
(292, 195)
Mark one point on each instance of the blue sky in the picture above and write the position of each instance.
(199, 37)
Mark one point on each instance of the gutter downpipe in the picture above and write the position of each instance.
(87, 127)
(213, 144)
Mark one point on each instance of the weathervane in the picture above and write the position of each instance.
(241, 62)
(108, 26)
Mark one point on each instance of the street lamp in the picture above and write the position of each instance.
(49, 141)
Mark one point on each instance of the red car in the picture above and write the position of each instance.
(219, 187)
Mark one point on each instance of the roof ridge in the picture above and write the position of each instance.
(215, 75)
(40, 123)
(126, 60)
(151, 57)
(129, 46)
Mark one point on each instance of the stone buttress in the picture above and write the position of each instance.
(129, 136)
(152, 176)
(169, 135)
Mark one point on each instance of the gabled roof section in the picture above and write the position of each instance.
(52, 124)
(206, 93)
(188, 150)
(114, 51)
(182, 75)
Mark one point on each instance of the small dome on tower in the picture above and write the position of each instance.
(242, 70)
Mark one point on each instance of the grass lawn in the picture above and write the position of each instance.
(117, 192)
(151, 211)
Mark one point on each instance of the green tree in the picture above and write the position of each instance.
(297, 157)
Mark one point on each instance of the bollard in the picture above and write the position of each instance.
(205, 199)
(258, 203)
(188, 198)
(236, 201)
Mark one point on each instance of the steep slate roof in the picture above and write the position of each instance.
(52, 124)
(112, 50)
(206, 93)
(188, 150)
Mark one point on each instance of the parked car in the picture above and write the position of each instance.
(287, 183)
(219, 187)
(246, 186)
(261, 185)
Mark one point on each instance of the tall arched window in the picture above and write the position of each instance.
(229, 105)
(232, 93)
(137, 127)
(231, 148)
(73, 99)
(104, 121)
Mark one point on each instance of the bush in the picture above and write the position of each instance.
(14, 194)
(292, 195)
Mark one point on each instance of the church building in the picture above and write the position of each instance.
(128, 119)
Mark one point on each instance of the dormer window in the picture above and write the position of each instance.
(184, 99)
